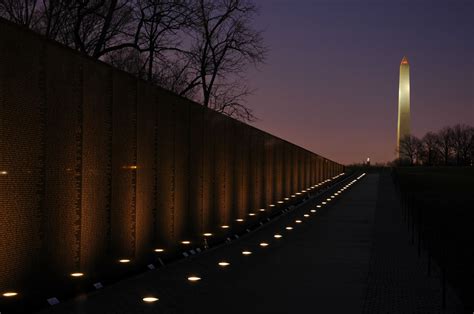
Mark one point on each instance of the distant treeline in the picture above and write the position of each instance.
(449, 146)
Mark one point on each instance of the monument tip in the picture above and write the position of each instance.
(404, 60)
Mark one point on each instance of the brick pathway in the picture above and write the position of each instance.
(398, 281)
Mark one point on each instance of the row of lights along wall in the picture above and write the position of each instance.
(100, 169)
(277, 236)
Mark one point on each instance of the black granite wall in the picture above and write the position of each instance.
(97, 166)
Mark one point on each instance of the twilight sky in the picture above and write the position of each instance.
(330, 83)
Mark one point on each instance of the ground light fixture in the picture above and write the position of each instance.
(150, 299)
(271, 205)
(289, 228)
(287, 198)
(251, 214)
(186, 242)
(280, 202)
(77, 274)
(263, 244)
(124, 260)
(194, 278)
(159, 250)
(239, 220)
(223, 264)
(262, 209)
(207, 234)
(225, 227)
(306, 215)
(324, 203)
(318, 206)
(10, 294)
(246, 252)
(298, 221)
(313, 210)
(277, 236)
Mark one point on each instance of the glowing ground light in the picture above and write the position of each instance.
(3, 172)
(277, 236)
(333, 196)
(223, 264)
(298, 193)
(150, 299)
(289, 228)
(194, 278)
(306, 215)
(328, 199)
(207, 234)
(77, 274)
(272, 205)
(287, 199)
(280, 202)
(298, 221)
(318, 206)
(246, 252)
(324, 203)
(10, 294)
(159, 250)
(251, 214)
(262, 209)
(313, 210)
(124, 260)
(185, 242)
(224, 226)
(264, 244)
(239, 220)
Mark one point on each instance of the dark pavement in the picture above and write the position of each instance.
(351, 256)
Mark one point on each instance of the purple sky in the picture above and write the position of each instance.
(330, 83)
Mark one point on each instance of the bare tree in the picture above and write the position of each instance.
(199, 49)
(445, 146)
(430, 148)
(461, 140)
(22, 12)
(223, 45)
(409, 149)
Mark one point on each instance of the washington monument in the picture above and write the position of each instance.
(403, 103)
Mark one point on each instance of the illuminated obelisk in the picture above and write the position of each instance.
(403, 103)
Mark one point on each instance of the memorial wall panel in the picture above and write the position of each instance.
(165, 176)
(96, 167)
(146, 170)
(124, 166)
(63, 162)
(22, 105)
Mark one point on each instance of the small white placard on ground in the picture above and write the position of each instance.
(53, 301)
(98, 285)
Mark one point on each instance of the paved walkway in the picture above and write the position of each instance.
(336, 261)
